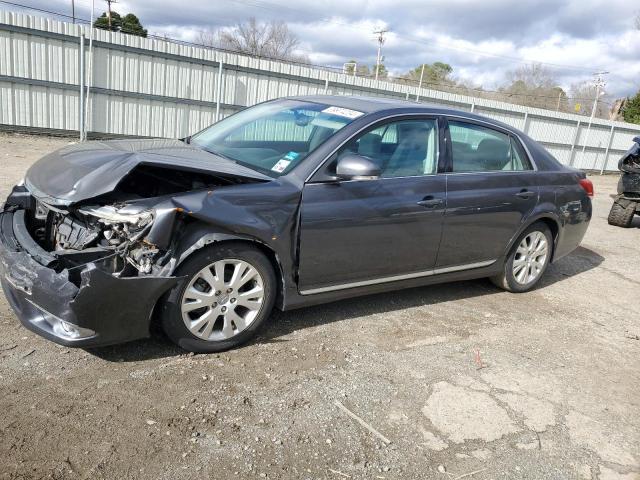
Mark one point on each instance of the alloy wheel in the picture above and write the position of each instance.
(222, 299)
(530, 258)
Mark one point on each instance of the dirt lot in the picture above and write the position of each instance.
(466, 381)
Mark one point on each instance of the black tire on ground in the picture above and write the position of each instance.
(506, 280)
(170, 308)
(621, 216)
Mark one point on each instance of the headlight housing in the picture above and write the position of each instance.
(133, 215)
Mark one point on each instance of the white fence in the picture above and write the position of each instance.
(153, 87)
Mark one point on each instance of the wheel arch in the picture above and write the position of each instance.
(200, 235)
(548, 219)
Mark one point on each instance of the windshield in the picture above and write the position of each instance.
(274, 137)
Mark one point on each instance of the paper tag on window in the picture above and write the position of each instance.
(343, 112)
(281, 166)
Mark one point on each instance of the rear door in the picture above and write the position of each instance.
(365, 231)
(491, 189)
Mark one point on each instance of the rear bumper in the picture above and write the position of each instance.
(93, 308)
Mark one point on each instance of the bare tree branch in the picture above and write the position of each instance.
(262, 39)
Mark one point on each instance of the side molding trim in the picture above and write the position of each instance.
(396, 278)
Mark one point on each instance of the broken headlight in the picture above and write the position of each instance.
(124, 227)
(121, 225)
(129, 214)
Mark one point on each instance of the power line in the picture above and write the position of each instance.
(43, 10)
(338, 70)
(277, 7)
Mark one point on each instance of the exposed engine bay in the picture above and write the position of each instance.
(113, 230)
(111, 234)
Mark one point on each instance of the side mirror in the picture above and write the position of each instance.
(357, 167)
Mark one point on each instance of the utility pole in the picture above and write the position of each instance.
(73, 10)
(599, 83)
(381, 41)
(109, 2)
(420, 84)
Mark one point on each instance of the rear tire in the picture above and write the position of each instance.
(227, 293)
(527, 261)
(621, 216)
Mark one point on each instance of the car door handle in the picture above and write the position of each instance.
(430, 202)
(524, 194)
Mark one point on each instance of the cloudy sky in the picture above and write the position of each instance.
(481, 40)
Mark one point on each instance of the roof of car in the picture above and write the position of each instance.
(378, 104)
(544, 159)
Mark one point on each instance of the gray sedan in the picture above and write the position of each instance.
(289, 203)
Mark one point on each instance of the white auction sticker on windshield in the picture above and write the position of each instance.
(343, 112)
(281, 166)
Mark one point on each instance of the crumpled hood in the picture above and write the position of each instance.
(85, 170)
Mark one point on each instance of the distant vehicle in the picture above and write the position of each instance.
(627, 203)
(289, 203)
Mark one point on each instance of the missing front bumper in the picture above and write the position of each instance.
(102, 310)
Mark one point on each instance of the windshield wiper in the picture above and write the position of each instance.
(226, 157)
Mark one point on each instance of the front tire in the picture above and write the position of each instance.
(227, 294)
(527, 260)
(621, 216)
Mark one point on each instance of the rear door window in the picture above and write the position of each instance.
(477, 148)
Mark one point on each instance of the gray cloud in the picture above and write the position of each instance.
(589, 34)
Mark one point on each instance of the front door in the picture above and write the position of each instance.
(359, 232)
(491, 189)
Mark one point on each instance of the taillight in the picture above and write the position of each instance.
(587, 185)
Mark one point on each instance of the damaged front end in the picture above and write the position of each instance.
(89, 273)
(80, 277)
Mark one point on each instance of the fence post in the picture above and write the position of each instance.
(525, 127)
(81, 82)
(595, 161)
(326, 85)
(219, 91)
(573, 143)
(606, 152)
(473, 106)
(586, 137)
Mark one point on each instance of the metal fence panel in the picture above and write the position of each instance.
(153, 87)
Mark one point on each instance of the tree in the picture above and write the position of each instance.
(382, 71)
(128, 24)
(261, 39)
(103, 21)
(631, 109)
(435, 73)
(534, 75)
(350, 66)
(131, 25)
(362, 70)
(534, 86)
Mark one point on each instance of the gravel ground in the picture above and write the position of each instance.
(463, 380)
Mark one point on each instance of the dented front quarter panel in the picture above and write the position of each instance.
(266, 213)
